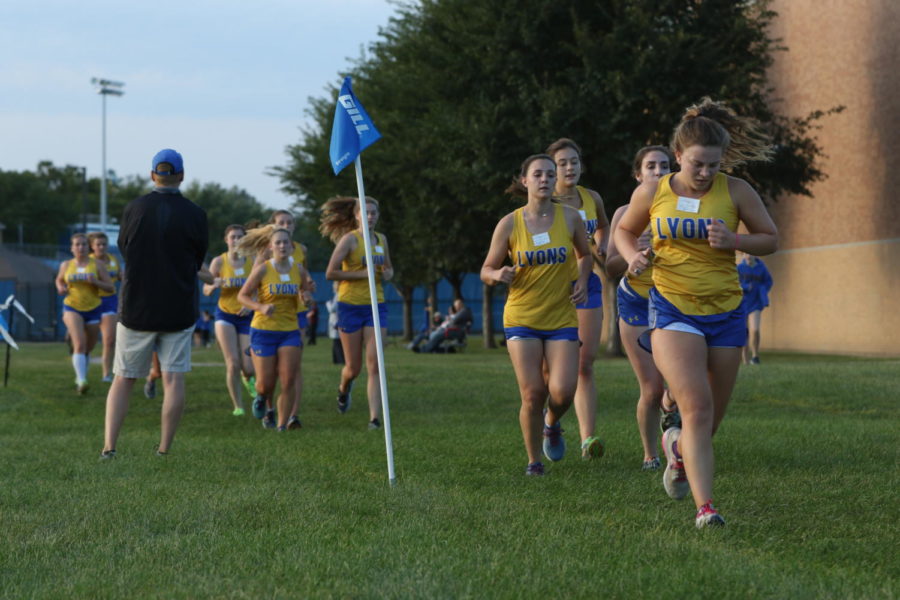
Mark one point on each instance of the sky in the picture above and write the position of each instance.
(225, 83)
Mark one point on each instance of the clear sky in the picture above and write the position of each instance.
(225, 83)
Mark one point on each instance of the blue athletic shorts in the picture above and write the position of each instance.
(751, 304)
(266, 343)
(241, 324)
(353, 317)
(632, 306)
(724, 330)
(568, 334)
(594, 293)
(91, 317)
(302, 320)
(109, 305)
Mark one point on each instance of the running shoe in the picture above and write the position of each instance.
(150, 389)
(107, 454)
(554, 444)
(107, 378)
(592, 447)
(259, 406)
(294, 423)
(535, 469)
(651, 465)
(281, 428)
(269, 420)
(754, 360)
(674, 478)
(159, 453)
(249, 384)
(375, 423)
(81, 387)
(669, 418)
(344, 400)
(238, 412)
(708, 516)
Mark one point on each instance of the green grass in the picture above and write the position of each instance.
(807, 477)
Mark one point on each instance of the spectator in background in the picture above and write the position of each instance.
(454, 327)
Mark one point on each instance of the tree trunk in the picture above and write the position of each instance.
(455, 279)
(487, 315)
(406, 292)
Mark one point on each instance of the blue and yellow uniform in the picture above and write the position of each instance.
(299, 257)
(228, 308)
(539, 304)
(354, 301)
(696, 287)
(588, 212)
(268, 333)
(109, 301)
(83, 296)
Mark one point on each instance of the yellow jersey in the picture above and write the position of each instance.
(282, 290)
(687, 271)
(299, 257)
(539, 295)
(82, 295)
(356, 291)
(112, 269)
(233, 279)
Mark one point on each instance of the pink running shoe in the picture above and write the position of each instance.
(708, 516)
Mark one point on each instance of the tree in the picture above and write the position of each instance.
(224, 207)
(464, 91)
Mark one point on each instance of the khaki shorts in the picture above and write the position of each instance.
(134, 351)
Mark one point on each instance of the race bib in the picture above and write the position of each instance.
(691, 205)
(540, 239)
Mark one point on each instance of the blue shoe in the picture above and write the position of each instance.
(535, 469)
(269, 420)
(259, 407)
(344, 400)
(554, 444)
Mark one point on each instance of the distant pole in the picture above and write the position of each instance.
(84, 204)
(12, 316)
(105, 87)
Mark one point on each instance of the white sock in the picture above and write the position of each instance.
(80, 362)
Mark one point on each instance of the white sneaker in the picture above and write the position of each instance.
(674, 478)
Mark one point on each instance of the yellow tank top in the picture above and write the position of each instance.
(539, 292)
(356, 291)
(82, 294)
(697, 279)
(280, 289)
(588, 212)
(233, 279)
(112, 269)
(299, 257)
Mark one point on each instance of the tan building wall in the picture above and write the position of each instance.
(837, 273)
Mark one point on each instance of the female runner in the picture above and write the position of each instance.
(109, 301)
(696, 321)
(650, 163)
(341, 222)
(539, 318)
(232, 320)
(272, 291)
(285, 220)
(589, 205)
(80, 280)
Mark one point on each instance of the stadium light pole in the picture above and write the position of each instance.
(105, 87)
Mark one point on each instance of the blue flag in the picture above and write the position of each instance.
(353, 130)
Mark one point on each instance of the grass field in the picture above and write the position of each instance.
(807, 478)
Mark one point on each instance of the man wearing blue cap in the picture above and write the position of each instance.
(163, 238)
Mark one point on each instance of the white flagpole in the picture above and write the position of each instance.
(379, 347)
